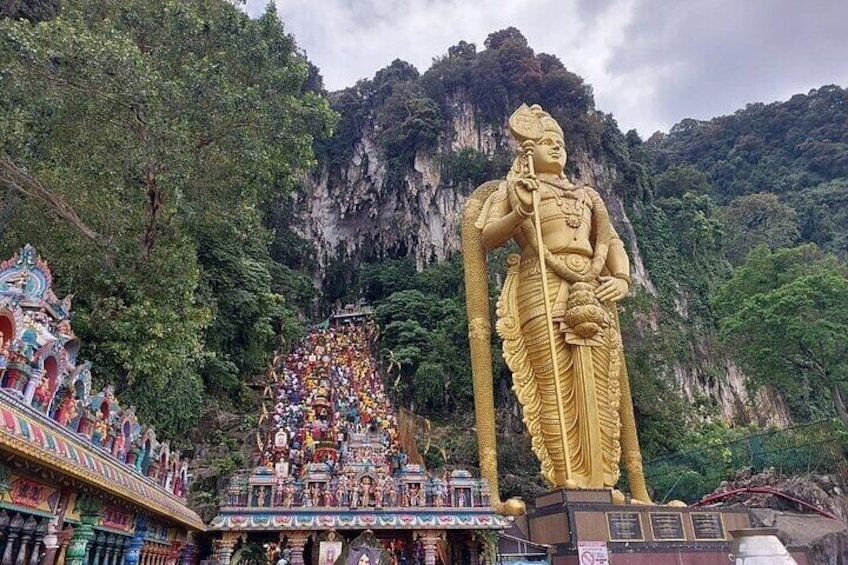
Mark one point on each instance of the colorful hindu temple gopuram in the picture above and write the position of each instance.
(82, 482)
(335, 464)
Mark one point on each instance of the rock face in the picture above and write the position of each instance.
(358, 214)
(421, 219)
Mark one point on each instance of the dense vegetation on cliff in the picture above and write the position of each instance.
(777, 177)
(159, 158)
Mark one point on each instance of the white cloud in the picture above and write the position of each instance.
(650, 62)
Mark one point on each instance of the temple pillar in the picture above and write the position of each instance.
(429, 540)
(99, 546)
(26, 537)
(15, 527)
(113, 544)
(80, 545)
(473, 552)
(110, 549)
(40, 532)
(118, 553)
(188, 555)
(225, 551)
(132, 548)
(297, 541)
(5, 519)
(64, 541)
(51, 542)
(32, 384)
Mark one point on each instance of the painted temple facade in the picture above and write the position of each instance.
(334, 463)
(82, 482)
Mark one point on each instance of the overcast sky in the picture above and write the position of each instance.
(651, 63)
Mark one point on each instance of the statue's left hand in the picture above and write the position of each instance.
(611, 289)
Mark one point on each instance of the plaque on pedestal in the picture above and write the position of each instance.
(667, 526)
(625, 526)
(707, 526)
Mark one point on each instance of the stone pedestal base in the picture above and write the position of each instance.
(583, 526)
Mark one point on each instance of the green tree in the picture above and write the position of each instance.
(678, 180)
(31, 10)
(823, 215)
(423, 335)
(757, 219)
(786, 314)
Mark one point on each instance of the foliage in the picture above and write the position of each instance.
(822, 213)
(786, 313)
(781, 147)
(138, 145)
(422, 315)
(657, 404)
(423, 335)
(757, 219)
(31, 10)
(679, 180)
(468, 168)
(716, 453)
(711, 455)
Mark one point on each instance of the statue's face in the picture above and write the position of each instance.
(549, 154)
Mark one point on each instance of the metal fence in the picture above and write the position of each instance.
(817, 447)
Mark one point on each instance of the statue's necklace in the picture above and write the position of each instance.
(571, 201)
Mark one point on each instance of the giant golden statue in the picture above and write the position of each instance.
(556, 317)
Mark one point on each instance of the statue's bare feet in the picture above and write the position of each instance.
(511, 507)
(618, 496)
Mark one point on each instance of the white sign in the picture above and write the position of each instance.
(592, 553)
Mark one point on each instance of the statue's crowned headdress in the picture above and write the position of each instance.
(530, 123)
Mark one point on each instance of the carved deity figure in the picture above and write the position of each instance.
(414, 493)
(341, 492)
(288, 495)
(391, 489)
(556, 316)
(439, 494)
(355, 494)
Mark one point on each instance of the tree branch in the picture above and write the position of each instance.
(811, 356)
(16, 179)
